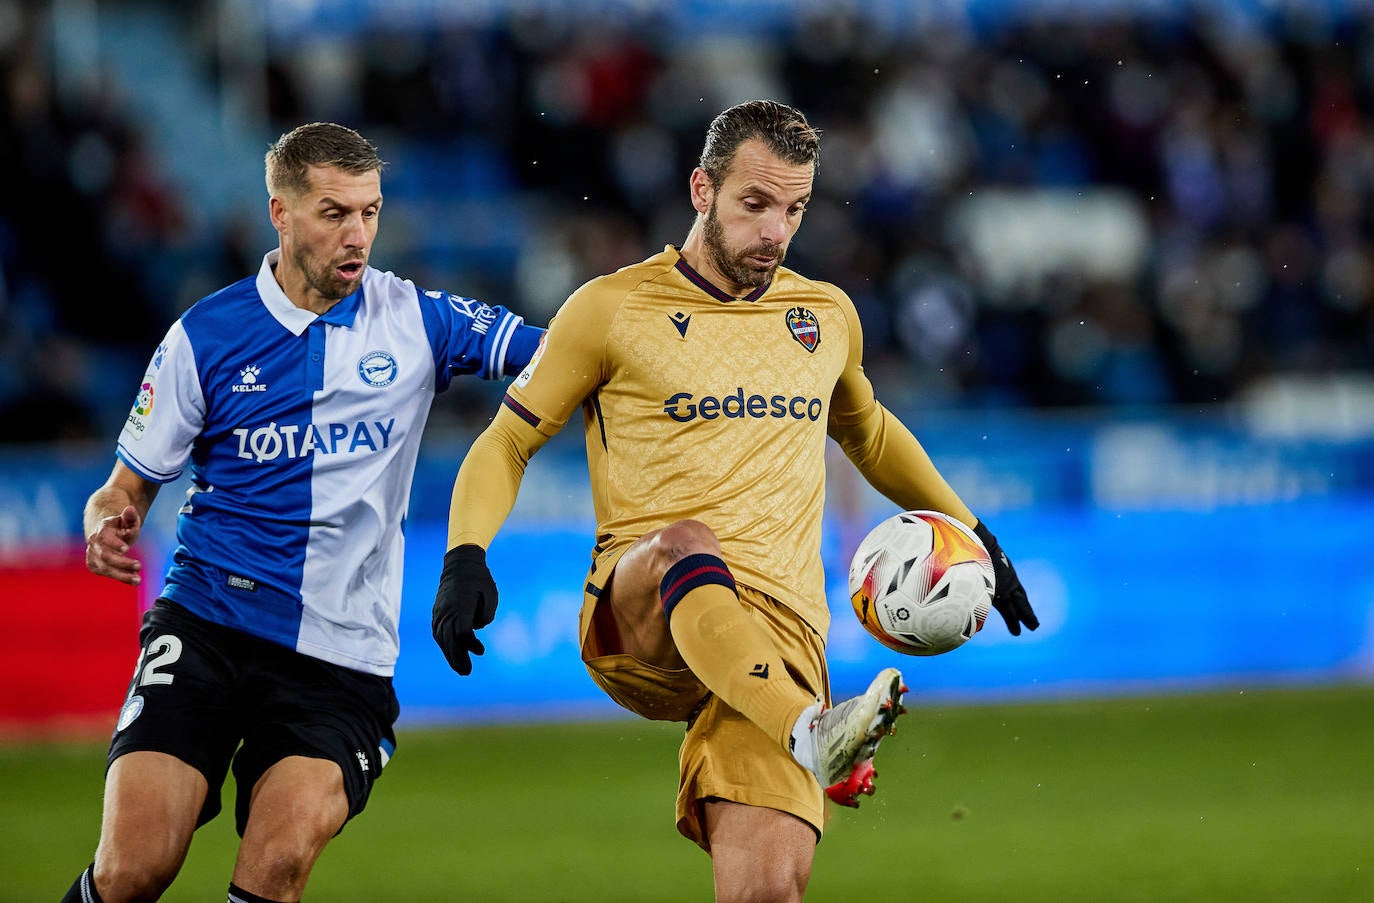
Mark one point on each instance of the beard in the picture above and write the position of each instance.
(324, 279)
(735, 265)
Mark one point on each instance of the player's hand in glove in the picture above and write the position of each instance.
(466, 602)
(1010, 598)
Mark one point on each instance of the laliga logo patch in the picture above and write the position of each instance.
(143, 404)
(805, 328)
(377, 369)
(137, 421)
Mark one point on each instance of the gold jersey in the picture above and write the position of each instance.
(702, 406)
(697, 405)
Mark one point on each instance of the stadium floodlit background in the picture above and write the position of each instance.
(1115, 264)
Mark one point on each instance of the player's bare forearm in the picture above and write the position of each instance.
(113, 519)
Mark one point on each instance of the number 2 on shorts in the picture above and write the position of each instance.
(165, 650)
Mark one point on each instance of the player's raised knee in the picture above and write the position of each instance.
(682, 538)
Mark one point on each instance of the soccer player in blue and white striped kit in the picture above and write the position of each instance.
(297, 397)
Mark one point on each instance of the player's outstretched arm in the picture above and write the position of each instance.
(1010, 596)
(483, 495)
(893, 461)
(113, 519)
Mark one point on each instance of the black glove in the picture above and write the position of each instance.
(1010, 596)
(466, 601)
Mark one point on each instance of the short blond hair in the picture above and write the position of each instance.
(317, 144)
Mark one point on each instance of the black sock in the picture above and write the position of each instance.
(239, 895)
(83, 891)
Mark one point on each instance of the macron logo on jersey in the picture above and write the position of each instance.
(289, 440)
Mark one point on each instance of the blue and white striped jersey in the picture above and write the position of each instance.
(302, 432)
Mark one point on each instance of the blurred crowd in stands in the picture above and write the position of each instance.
(1112, 211)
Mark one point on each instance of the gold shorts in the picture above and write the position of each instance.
(724, 755)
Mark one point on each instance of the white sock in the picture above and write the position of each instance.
(802, 744)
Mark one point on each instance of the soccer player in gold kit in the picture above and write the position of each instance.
(709, 377)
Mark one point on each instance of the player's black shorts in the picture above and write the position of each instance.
(210, 695)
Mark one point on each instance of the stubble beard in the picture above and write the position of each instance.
(734, 265)
(323, 280)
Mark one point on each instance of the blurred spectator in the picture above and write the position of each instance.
(1105, 208)
(51, 404)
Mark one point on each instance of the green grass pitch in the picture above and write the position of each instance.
(1257, 795)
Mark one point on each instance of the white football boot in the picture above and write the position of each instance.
(843, 739)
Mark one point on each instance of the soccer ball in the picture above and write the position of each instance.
(921, 582)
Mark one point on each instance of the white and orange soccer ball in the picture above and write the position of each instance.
(921, 582)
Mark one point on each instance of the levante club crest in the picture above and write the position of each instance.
(805, 328)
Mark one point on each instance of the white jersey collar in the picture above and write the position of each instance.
(295, 319)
